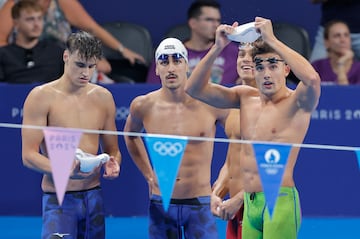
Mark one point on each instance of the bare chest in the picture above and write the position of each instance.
(181, 120)
(78, 113)
(268, 123)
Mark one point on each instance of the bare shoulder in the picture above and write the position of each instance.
(143, 102)
(42, 93)
(98, 92)
(245, 90)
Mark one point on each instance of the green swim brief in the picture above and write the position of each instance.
(285, 221)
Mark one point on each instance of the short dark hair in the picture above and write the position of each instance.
(195, 8)
(87, 45)
(24, 5)
(261, 47)
(331, 23)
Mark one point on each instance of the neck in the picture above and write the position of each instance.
(25, 42)
(276, 97)
(175, 95)
(198, 43)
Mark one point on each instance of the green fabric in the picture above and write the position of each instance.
(286, 218)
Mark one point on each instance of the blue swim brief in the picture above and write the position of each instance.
(188, 218)
(81, 215)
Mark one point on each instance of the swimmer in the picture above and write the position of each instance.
(230, 177)
(71, 101)
(169, 110)
(271, 112)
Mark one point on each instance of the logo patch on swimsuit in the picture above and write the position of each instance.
(61, 235)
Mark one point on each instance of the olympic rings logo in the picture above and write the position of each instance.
(168, 148)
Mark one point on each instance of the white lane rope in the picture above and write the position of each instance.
(218, 140)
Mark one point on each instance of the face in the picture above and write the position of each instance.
(205, 25)
(78, 70)
(270, 73)
(245, 65)
(339, 40)
(29, 24)
(172, 70)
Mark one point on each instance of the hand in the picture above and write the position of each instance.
(348, 55)
(111, 168)
(78, 174)
(215, 204)
(221, 33)
(132, 56)
(229, 208)
(265, 28)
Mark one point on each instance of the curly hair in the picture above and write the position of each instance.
(261, 47)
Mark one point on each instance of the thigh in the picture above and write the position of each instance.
(92, 223)
(286, 219)
(234, 226)
(248, 230)
(201, 223)
(58, 220)
(163, 225)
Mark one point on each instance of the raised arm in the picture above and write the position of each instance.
(6, 22)
(135, 144)
(79, 18)
(308, 90)
(35, 113)
(199, 86)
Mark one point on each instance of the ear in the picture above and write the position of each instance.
(156, 69)
(287, 70)
(326, 44)
(192, 22)
(66, 55)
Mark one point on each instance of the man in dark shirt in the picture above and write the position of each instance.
(29, 59)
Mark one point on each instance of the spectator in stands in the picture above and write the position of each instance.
(60, 16)
(203, 18)
(339, 67)
(30, 59)
(345, 10)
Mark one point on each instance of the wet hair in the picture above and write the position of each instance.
(261, 47)
(194, 10)
(24, 5)
(87, 45)
(331, 23)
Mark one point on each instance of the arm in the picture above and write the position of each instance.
(134, 144)
(227, 209)
(344, 64)
(78, 17)
(230, 207)
(109, 141)
(308, 90)
(219, 189)
(35, 113)
(199, 86)
(6, 22)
